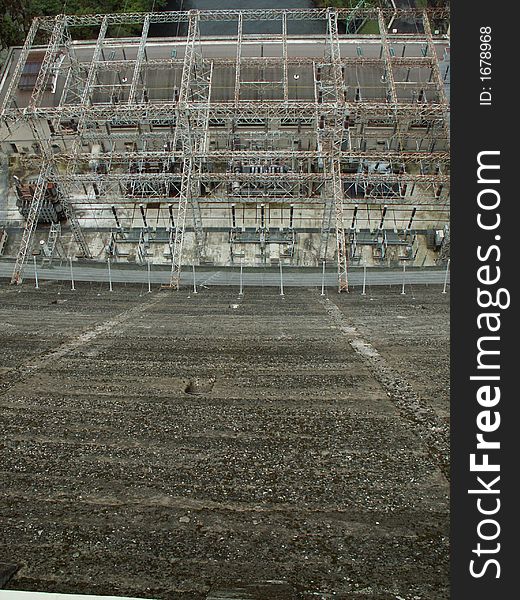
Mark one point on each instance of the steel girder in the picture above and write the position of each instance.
(249, 15)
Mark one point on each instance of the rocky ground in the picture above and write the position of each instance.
(168, 445)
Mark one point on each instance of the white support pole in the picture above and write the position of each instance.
(323, 280)
(446, 276)
(363, 293)
(281, 280)
(346, 272)
(194, 281)
(71, 275)
(404, 276)
(35, 274)
(149, 282)
(241, 292)
(109, 275)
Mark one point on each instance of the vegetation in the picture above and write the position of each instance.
(351, 3)
(16, 15)
(357, 25)
(370, 27)
(383, 3)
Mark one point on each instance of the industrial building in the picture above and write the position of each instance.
(255, 149)
(199, 444)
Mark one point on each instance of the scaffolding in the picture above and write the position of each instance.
(318, 123)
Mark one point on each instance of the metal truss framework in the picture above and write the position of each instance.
(181, 149)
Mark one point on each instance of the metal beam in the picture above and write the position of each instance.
(30, 224)
(266, 14)
(141, 113)
(285, 58)
(124, 158)
(56, 40)
(439, 84)
(188, 141)
(341, 240)
(238, 61)
(20, 65)
(261, 178)
(141, 53)
(392, 96)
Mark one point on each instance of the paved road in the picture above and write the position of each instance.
(228, 276)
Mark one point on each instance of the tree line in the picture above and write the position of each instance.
(16, 15)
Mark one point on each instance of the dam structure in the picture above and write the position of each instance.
(257, 149)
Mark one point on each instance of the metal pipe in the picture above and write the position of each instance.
(446, 276)
(114, 212)
(143, 215)
(71, 275)
(409, 226)
(194, 281)
(241, 292)
(170, 210)
(233, 216)
(345, 267)
(404, 275)
(149, 282)
(323, 280)
(385, 208)
(35, 274)
(363, 293)
(281, 280)
(353, 224)
(109, 275)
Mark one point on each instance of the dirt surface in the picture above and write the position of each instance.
(165, 445)
(412, 332)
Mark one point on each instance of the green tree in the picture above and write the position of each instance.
(16, 15)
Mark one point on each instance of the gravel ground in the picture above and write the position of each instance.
(165, 445)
